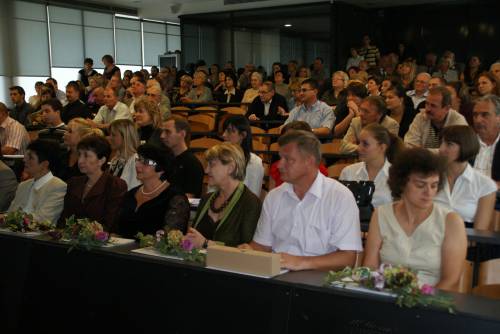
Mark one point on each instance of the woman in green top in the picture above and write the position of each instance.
(230, 214)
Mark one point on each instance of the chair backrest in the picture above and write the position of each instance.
(276, 131)
(488, 291)
(201, 123)
(204, 142)
(465, 283)
(335, 170)
(489, 272)
(234, 110)
(331, 148)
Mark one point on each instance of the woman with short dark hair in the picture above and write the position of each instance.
(97, 194)
(156, 204)
(466, 191)
(414, 231)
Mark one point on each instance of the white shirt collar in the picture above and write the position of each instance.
(483, 144)
(364, 172)
(316, 189)
(42, 181)
(232, 91)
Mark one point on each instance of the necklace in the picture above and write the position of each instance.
(154, 190)
(223, 206)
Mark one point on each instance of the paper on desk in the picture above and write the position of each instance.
(153, 252)
(23, 234)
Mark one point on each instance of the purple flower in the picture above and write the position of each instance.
(378, 280)
(187, 245)
(428, 289)
(101, 236)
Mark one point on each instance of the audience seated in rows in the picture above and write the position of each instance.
(268, 106)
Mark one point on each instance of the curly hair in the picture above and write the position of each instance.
(414, 161)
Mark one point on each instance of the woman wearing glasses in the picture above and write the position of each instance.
(155, 205)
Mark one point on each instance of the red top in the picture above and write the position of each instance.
(276, 175)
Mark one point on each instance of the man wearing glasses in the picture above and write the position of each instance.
(316, 113)
(270, 106)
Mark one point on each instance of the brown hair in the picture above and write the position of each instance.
(181, 124)
(415, 160)
(151, 108)
(383, 136)
(463, 136)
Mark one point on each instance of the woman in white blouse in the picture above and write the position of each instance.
(237, 131)
(377, 146)
(466, 191)
(124, 142)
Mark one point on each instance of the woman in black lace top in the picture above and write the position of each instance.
(154, 205)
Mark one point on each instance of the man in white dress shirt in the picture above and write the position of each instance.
(311, 220)
(43, 194)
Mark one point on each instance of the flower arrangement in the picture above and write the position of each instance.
(82, 232)
(20, 221)
(398, 280)
(172, 243)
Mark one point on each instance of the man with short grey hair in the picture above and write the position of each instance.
(421, 89)
(311, 220)
(486, 116)
(110, 111)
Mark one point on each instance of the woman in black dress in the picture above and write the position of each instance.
(155, 205)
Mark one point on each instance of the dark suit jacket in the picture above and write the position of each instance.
(257, 108)
(222, 98)
(101, 203)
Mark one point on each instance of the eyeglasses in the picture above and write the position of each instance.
(262, 93)
(303, 90)
(145, 161)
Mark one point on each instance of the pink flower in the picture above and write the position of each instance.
(427, 289)
(159, 234)
(187, 245)
(101, 236)
(26, 221)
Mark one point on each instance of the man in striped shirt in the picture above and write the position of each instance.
(426, 127)
(13, 136)
(369, 52)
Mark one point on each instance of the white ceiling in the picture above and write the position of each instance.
(169, 10)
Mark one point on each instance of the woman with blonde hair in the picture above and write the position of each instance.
(124, 141)
(408, 73)
(333, 96)
(185, 85)
(229, 214)
(252, 92)
(78, 128)
(147, 118)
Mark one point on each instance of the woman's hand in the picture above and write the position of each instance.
(353, 108)
(196, 237)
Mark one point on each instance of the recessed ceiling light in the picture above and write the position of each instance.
(287, 25)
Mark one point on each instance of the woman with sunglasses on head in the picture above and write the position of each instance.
(156, 204)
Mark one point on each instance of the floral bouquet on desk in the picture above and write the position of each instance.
(82, 233)
(397, 280)
(172, 243)
(20, 221)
